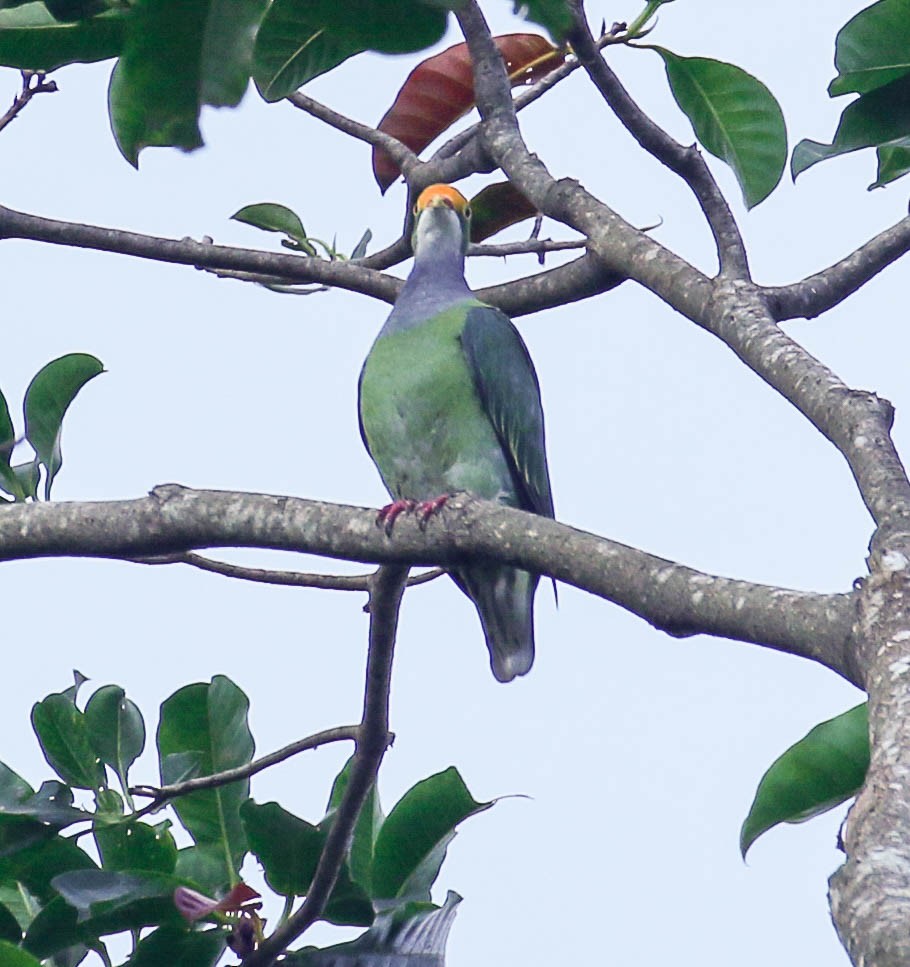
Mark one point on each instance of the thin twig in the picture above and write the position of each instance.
(162, 794)
(400, 153)
(29, 90)
(530, 246)
(296, 579)
(686, 162)
(373, 740)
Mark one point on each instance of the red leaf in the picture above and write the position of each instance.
(440, 90)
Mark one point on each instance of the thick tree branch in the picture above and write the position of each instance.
(673, 598)
(734, 310)
(820, 292)
(373, 740)
(686, 162)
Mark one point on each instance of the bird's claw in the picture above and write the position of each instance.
(391, 512)
(427, 508)
(424, 510)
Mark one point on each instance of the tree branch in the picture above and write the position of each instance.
(732, 309)
(293, 268)
(372, 741)
(401, 154)
(29, 90)
(686, 162)
(820, 292)
(674, 598)
(161, 794)
(294, 579)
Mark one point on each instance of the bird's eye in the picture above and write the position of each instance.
(416, 210)
(467, 211)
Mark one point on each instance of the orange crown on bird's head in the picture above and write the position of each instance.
(444, 195)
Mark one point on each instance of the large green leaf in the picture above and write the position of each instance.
(823, 769)
(116, 729)
(126, 846)
(289, 849)
(51, 805)
(210, 721)
(409, 935)
(176, 58)
(65, 741)
(14, 956)
(47, 399)
(31, 38)
(735, 117)
(878, 118)
(873, 48)
(411, 844)
(272, 217)
(178, 947)
(301, 39)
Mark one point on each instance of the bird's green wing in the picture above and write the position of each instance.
(508, 389)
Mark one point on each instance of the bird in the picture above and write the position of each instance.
(449, 401)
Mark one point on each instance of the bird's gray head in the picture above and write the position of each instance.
(442, 220)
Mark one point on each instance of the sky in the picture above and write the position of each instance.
(639, 753)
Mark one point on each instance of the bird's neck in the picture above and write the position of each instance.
(436, 283)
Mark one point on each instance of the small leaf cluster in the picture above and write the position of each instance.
(47, 399)
(63, 895)
(872, 57)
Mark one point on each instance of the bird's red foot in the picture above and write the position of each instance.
(427, 508)
(391, 512)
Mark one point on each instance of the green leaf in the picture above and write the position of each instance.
(873, 48)
(554, 15)
(823, 769)
(735, 117)
(411, 844)
(176, 58)
(128, 846)
(271, 217)
(51, 805)
(301, 39)
(72, 10)
(9, 926)
(366, 829)
(47, 399)
(893, 162)
(289, 849)
(872, 120)
(28, 476)
(178, 947)
(409, 934)
(37, 865)
(65, 742)
(360, 249)
(116, 729)
(32, 39)
(210, 721)
(203, 866)
(8, 481)
(95, 903)
(14, 956)
(23, 906)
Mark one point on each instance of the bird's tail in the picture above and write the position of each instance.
(504, 598)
